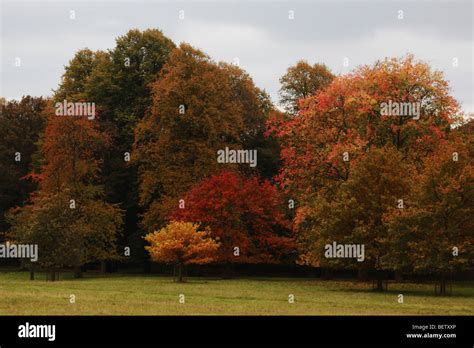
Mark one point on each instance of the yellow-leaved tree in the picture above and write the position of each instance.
(180, 243)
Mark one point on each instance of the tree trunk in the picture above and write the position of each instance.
(442, 286)
(398, 275)
(103, 267)
(326, 273)
(180, 273)
(362, 274)
(379, 284)
(380, 278)
(32, 272)
(78, 272)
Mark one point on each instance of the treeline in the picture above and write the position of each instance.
(331, 167)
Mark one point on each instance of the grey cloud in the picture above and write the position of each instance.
(258, 32)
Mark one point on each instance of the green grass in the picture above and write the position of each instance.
(125, 294)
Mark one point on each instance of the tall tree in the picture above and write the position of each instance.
(76, 75)
(21, 123)
(119, 82)
(256, 107)
(194, 115)
(338, 126)
(68, 213)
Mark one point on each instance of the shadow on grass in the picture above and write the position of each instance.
(459, 289)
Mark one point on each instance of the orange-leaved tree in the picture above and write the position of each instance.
(181, 243)
(199, 107)
(68, 216)
(339, 126)
(435, 235)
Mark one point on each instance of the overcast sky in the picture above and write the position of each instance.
(259, 33)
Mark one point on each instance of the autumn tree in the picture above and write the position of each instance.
(70, 197)
(301, 81)
(21, 123)
(68, 233)
(180, 244)
(199, 107)
(353, 213)
(337, 127)
(434, 235)
(339, 124)
(256, 106)
(245, 215)
(119, 82)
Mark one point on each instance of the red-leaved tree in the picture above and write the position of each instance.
(245, 215)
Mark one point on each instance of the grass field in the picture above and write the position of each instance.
(125, 294)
